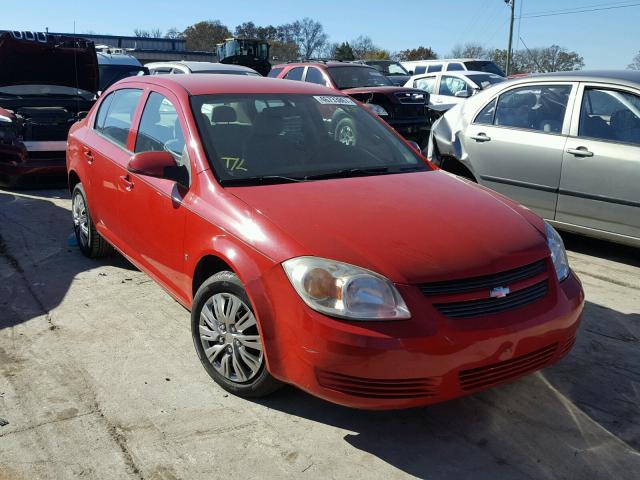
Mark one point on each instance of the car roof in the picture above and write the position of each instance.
(211, 83)
(328, 63)
(117, 59)
(624, 76)
(202, 66)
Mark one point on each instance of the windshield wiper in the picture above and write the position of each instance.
(349, 172)
(261, 179)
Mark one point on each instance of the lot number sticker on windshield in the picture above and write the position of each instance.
(334, 100)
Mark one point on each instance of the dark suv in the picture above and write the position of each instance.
(405, 109)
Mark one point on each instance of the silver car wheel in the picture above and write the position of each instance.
(80, 218)
(230, 337)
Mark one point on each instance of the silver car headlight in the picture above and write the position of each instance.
(558, 252)
(343, 290)
(4, 118)
(377, 109)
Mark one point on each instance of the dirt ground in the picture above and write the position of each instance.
(99, 379)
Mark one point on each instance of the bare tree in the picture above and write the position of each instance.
(173, 32)
(310, 36)
(139, 32)
(539, 60)
(363, 46)
(470, 50)
(635, 63)
(155, 33)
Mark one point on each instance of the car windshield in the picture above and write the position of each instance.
(389, 68)
(485, 81)
(484, 66)
(354, 77)
(110, 74)
(278, 138)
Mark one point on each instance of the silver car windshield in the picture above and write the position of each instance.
(252, 139)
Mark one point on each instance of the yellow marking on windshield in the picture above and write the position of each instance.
(234, 163)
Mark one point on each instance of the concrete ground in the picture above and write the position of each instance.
(99, 379)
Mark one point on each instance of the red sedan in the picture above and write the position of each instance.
(357, 272)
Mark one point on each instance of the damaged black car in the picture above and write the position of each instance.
(47, 83)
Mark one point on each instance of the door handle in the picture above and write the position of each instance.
(481, 137)
(126, 181)
(580, 152)
(88, 154)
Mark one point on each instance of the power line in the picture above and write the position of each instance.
(560, 12)
(580, 7)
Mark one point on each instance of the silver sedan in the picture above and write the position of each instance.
(566, 145)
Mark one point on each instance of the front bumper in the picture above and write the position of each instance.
(32, 164)
(424, 360)
(412, 129)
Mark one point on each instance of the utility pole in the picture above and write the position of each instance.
(512, 4)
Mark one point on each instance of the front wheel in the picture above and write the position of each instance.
(226, 337)
(89, 240)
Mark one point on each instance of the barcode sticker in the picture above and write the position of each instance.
(334, 100)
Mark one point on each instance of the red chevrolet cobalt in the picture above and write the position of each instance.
(356, 272)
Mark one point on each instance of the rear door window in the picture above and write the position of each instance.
(117, 121)
(610, 115)
(449, 86)
(454, 67)
(435, 67)
(295, 73)
(275, 72)
(314, 75)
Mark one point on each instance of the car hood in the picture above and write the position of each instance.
(48, 60)
(413, 227)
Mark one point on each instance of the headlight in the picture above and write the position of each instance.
(345, 291)
(4, 118)
(558, 253)
(377, 109)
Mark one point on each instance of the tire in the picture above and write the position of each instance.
(346, 132)
(229, 345)
(90, 242)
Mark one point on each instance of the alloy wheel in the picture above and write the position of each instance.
(80, 218)
(230, 337)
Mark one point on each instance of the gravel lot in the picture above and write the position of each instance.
(99, 379)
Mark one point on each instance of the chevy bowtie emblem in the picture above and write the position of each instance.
(499, 292)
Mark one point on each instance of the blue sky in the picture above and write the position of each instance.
(605, 38)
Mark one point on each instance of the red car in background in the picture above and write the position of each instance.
(405, 109)
(358, 273)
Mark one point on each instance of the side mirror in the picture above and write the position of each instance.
(83, 114)
(462, 94)
(158, 165)
(411, 72)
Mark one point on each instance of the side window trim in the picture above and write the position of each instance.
(579, 93)
(577, 110)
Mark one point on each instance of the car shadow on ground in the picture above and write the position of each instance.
(580, 409)
(602, 249)
(38, 261)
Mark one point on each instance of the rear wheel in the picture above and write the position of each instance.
(227, 339)
(89, 240)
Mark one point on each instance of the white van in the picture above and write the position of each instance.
(417, 67)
